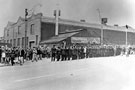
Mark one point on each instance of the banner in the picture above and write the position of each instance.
(90, 40)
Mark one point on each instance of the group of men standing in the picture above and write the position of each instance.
(67, 53)
(80, 52)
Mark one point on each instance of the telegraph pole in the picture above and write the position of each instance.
(26, 21)
(57, 23)
(101, 26)
(126, 37)
(57, 14)
(26, 14)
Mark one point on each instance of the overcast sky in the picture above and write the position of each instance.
(119, 12)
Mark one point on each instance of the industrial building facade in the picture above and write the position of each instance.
(40, 28)
(14, 33)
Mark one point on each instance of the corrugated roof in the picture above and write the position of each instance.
(86, 24)
(58, 38)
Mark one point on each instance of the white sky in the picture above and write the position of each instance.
(119, 12)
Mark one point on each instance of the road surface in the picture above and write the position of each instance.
(105, 73)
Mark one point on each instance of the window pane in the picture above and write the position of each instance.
(14, 42)
(32, 29)
(19, 29)
(7, 32)
(36, 39)
(18, 42)
(23, 40)
(11, 41)
(27, 40)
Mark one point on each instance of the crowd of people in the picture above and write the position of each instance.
(11, 56)
(81, 52)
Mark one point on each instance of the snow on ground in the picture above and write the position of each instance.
(102, 73)
(121, 66)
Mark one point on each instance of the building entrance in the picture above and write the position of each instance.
(32, 44)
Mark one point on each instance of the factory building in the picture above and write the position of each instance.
(39, 29)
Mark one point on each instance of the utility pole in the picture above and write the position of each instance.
(26, 21)
(57, 23)
(57, 14)
(101, 27)
(26, 14)
(126, 37)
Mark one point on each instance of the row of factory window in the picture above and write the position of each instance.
(20, 41)
(17, 42)
(32, 30)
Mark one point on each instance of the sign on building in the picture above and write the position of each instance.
(90, 40)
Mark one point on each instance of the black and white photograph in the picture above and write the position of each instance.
(67, 44)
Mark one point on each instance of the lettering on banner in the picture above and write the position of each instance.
(90, 40)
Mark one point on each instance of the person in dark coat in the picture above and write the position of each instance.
(74, 52)
(40, 54)
(79, 52)
(12, 57)
(17, 55)
(53, 51)
(27, 54)
(30, 54)
(82, 52)
(63, 53)
(58, 53)
(69, 53)
(22, 54)
(66, 53)
(0, 54)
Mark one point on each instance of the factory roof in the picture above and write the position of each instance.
(75, 23)
(88, 25)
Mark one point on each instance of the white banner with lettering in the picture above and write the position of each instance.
(90, 40)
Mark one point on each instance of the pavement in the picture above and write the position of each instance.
(1, 65)
(26, 63)
(105, 73)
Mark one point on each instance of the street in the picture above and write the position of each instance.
(104, 73)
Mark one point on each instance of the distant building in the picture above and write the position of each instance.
(14, 33)
(41, 28)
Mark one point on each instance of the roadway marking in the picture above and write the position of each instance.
(32, 78)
